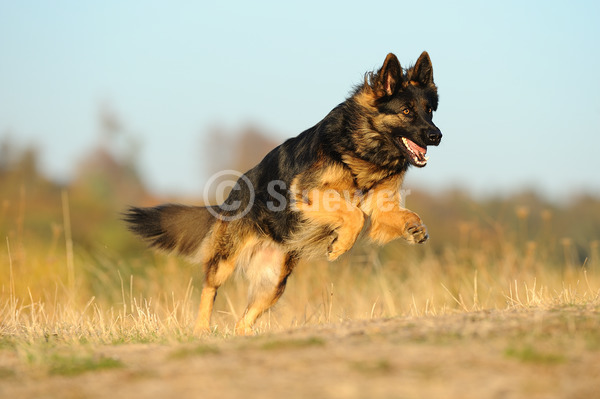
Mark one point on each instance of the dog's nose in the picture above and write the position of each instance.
(434, 137)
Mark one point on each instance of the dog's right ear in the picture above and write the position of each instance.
(388, 78)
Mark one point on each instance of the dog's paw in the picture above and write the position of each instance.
(331, 256)
(244, 329)
(334, 250)
(415, 233)
(202, 330)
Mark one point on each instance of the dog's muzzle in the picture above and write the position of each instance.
(433, 136)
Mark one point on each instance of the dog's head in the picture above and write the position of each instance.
(398, 107)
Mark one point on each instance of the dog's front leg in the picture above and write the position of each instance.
(397, 223)
(389, 220)
(331, 208)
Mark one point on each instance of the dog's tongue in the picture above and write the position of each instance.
(415, 148)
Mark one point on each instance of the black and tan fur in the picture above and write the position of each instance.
(329, 185)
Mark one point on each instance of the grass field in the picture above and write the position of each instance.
(157, 301)
(503, 302)
(401, 322)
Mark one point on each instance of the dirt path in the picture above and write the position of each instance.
(511, 354)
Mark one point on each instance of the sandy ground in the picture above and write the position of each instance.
(498, 354)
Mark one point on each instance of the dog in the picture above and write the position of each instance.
(311, 196)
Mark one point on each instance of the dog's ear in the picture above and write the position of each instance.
(422, 72)
(388, 77)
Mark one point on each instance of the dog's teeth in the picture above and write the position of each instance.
(426, 159)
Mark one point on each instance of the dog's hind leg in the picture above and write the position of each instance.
(219, 254)
(217, 271)
(267, 273)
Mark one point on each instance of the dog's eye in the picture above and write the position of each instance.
(406, 111)
(429, 110)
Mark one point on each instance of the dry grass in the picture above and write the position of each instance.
(59, 301)
(68, 313)
(159, 305)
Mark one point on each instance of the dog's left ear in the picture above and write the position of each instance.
(422, 72)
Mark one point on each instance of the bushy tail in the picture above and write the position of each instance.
(170, 227)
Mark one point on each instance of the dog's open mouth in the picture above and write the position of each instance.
(415, 152)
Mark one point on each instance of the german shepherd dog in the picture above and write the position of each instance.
(312, 195)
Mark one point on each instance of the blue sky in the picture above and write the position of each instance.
(518, 81)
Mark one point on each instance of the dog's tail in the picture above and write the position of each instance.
(170, 227)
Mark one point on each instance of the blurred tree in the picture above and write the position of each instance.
(109, 172)
(107, 181)
(6, 151)
(238, 151)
